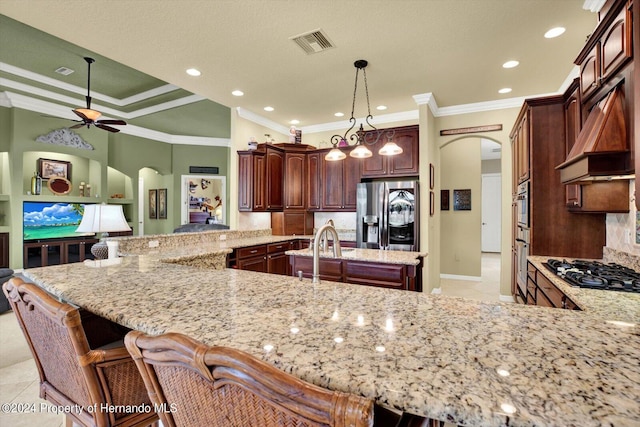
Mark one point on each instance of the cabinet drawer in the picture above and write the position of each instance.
(278, 247)
(383, 275)
(252, 251)
(553, 294)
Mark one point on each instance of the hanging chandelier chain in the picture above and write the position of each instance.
(366, 89)
(355, 91)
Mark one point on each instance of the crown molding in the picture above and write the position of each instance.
(32, 90)
(16, 100)
(30, 75)
(255, 118)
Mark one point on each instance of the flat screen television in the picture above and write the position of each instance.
(51, 220)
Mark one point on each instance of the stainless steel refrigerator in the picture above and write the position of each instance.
(388, 215)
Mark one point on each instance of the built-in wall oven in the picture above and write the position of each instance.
(522, 237)
(522, 204)
(522, 252)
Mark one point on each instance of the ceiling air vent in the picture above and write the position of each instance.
(64, 71)
(313, 42)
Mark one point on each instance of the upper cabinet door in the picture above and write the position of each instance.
(405, 164)
(616, 45)
(294, 181)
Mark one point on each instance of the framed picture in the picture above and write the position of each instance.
(153, 204)
(432, 203)
(444, 200)
(461, 200)
(162, 203)
(432, 176)
(48, 168)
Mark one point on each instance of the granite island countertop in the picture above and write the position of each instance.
(468, 362)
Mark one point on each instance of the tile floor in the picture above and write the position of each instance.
(19, 376)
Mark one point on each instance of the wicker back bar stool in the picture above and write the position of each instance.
(199, 385)
(104, 381)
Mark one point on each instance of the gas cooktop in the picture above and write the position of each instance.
(596, 275)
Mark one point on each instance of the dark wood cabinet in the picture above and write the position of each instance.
(251, 181)
(289, 222)
(54, 252)
(4, 250)
(274, 179)
(541, 291)
(268, 258)
(252, 258)
(609, 47)
(553, 230)
(339, 180)
(295, 184)
(572, 126)
(401, 165)
(396, 276)
(314, 188)
(521, 147)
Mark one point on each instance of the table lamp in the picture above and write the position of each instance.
(103, 219)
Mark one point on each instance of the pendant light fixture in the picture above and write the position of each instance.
(361, 138)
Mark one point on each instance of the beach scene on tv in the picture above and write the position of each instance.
(48, 220)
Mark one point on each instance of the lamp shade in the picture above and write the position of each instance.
(335, 154)
(103, 219)
(390, 149)
(361, 152)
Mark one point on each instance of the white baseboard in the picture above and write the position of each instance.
(436, 290)
(457, 277)
(507, 298)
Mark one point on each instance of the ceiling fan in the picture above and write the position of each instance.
(90, 117)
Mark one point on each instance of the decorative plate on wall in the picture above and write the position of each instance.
(59, 185)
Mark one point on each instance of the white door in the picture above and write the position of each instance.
(491, 212)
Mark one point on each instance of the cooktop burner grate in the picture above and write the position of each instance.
(596, 275)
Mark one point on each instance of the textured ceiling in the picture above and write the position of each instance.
(452, 49)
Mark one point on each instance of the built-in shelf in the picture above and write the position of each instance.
(120, 201)
(62, 199)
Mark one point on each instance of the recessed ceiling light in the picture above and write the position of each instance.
(268, 108)
(193, 72)
(505, 90)
(339, 114)
(510, 64)
(294, 122)
(554, 32)
(237, 93)
(381, 107)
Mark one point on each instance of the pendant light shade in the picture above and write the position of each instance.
(335, 154)
(390, 149)
(361, 152)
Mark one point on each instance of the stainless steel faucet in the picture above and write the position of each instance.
(320, 235)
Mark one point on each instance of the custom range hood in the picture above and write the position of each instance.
(601, 151)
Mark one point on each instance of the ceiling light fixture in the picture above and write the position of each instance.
(554, 32)
(505, 90)
(381, 107)
(193, 72)
(510, 64)
(294, 122)
(237, 93)
(361, 138)
(339, 114)
(268, 108)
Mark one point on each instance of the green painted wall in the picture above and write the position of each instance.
(196, 155)
(113, 166)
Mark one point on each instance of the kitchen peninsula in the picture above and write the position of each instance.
(466, 362)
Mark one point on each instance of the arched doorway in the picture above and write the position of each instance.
(470, 229)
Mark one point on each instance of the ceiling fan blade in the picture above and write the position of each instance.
(109, 128)
(81, 115)
(112, 122)
(78, 126)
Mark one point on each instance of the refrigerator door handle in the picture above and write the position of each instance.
(384, 224)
